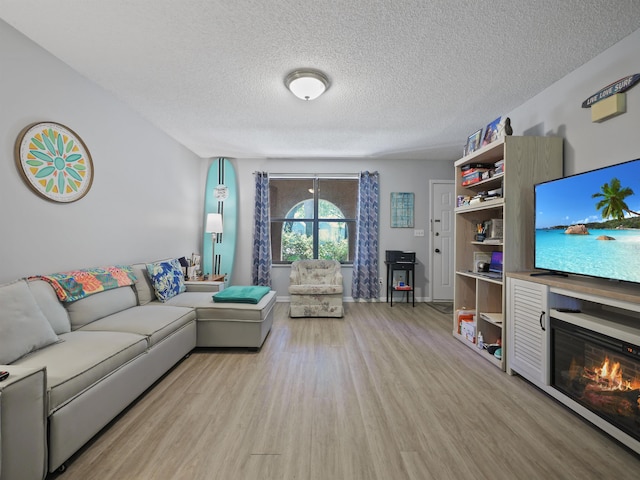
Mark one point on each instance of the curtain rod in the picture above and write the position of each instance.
(314, 175)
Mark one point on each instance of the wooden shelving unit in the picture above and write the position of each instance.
(527, 160)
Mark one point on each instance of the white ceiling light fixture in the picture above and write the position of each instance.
(307, 84)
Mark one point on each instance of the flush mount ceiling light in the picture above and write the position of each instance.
(307, 84)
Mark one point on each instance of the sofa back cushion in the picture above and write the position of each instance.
(52, 308)
(316, 272)
(23, 325)
(100, 305)
(144, 287)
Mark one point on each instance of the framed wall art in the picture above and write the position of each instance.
(401, 210)
(54, 162)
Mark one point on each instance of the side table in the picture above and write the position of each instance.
(409, 268)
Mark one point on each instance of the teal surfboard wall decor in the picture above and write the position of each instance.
(221, 196)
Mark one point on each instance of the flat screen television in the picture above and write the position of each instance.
(589, 223)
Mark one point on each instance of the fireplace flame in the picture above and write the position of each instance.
(609, 376)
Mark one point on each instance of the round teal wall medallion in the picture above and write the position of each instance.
(54, 162)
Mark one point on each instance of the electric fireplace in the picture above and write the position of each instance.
(599, 372)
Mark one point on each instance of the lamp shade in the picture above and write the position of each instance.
(307, 84)
(214, 223)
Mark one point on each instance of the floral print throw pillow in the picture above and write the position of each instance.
(167, 279)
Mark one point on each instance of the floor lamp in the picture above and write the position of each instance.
(214, 226)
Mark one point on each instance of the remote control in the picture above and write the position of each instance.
(3, 375)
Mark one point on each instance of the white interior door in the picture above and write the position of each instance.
(441, 239)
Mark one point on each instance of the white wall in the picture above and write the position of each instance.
(557, 111)
(146, 199)
(395, 176)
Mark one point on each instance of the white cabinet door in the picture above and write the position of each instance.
(527, 329)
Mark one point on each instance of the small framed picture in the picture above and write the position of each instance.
(491, 132)
(473, 142)
(402, 206)
(480, 257)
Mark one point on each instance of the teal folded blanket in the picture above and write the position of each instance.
(238, 294)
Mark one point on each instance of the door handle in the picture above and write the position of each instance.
(437, 250)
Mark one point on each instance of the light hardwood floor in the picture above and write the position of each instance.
(385, 393)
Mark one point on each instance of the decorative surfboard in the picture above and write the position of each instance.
(221, 196)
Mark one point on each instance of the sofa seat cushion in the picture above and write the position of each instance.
(207, 309)
(154, 321)
(315, 289)
(82, 359)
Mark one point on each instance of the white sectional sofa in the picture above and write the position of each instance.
(87, 360)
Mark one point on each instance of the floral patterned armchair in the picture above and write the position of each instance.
(315, 289)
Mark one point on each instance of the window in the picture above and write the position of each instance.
(313, 217)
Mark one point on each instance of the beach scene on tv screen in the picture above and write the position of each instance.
(589, 223)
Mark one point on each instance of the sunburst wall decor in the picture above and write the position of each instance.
(54, 162)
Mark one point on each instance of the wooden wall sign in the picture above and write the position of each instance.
(618, 86)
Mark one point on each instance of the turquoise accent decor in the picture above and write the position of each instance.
(245, 294)
(221, 196)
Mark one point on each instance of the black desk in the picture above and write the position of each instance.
(402, 266)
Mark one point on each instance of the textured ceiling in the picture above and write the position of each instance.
(409, 78)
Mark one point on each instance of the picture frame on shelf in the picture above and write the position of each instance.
(473, 142)
(491, 132)
(480, 257)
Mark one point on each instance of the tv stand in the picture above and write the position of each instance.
(549, 273)
(610, 309)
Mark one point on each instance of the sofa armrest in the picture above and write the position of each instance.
(23, 424)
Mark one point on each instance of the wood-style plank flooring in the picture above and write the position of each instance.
(383, 394)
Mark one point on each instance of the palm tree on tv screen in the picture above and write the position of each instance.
(612, 203)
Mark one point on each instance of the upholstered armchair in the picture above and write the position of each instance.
(315, 289)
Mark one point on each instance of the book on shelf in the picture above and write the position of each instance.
(472, 166)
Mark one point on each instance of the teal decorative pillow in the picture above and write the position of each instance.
(167, 279)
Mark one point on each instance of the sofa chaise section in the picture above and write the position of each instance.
(228, 324)
(218, 324)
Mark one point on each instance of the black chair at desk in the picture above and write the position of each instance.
(397, 260)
